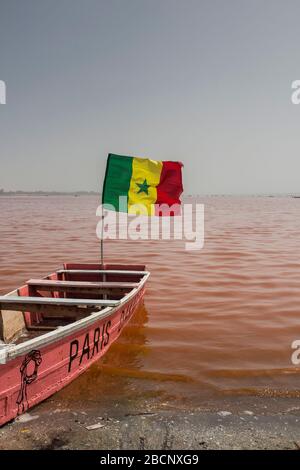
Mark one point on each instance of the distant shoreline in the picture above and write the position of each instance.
(94, 193)
(48, 193)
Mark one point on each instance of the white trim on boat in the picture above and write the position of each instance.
(11, 351)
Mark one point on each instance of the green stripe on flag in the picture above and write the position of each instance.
(117, 180)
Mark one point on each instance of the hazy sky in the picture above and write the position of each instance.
(207, 82)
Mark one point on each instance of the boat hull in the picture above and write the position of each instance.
(31, 378)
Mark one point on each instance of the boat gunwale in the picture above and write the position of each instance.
(11, 351)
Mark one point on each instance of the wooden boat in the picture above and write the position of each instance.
(53, 329)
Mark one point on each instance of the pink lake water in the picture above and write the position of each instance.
(216, 321)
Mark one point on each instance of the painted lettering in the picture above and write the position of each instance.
(86, 348)
(96, 341)
(74, 346)
(108, 325)
(92, 345)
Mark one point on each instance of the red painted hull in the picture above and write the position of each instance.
(32, 377)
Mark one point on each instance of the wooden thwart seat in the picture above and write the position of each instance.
(58, 307)
(80, 286)
(49, 307)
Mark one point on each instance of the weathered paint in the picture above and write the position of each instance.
(33, 377)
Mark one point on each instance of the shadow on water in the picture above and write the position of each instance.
(108, 380)
(121, 376)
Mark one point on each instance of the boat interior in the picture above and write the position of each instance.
(63, 297)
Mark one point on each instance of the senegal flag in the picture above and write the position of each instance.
(142, 181)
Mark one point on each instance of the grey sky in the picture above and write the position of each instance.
(205, 82)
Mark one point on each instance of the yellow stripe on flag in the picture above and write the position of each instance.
(145, 177)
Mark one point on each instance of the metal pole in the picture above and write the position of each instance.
(102, 263)
(104, 296)
(102, 228)
(101, 243)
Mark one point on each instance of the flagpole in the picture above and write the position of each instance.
(102, 250)
(104, 296)
(102, 228)
(101, 243)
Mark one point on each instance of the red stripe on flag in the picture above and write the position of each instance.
(170, 185)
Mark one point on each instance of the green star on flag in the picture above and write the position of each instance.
(143, 187)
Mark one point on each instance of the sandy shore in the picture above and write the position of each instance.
(263, 423)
